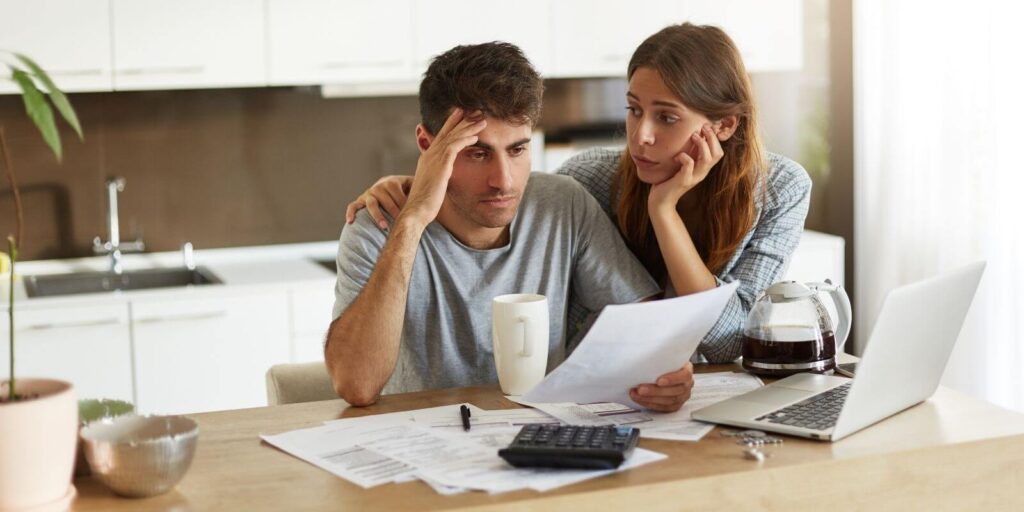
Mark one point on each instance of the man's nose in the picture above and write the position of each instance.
(500, 176)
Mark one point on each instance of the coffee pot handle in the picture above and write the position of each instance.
(842, 302)
(527, 350)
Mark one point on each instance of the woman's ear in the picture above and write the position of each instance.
(423, 138)
(726, 126)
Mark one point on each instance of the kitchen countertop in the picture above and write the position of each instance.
(252, 267)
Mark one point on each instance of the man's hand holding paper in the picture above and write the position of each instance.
(635, 349)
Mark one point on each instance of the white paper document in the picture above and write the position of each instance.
(430, 445)
(599, 414)
(633, 344)
(708, 388)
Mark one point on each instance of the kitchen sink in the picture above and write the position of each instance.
(97, 282)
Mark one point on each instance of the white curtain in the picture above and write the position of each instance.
(939, 171)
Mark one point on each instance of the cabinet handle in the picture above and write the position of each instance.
(183, 70)
(345, 64)
(72, 325)
(76, 72)
(182, 318)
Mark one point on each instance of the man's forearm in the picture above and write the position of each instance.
(363, 343)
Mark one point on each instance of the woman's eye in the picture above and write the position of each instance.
(633, 111)
(669, 119)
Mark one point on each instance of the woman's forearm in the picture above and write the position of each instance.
(686, 269)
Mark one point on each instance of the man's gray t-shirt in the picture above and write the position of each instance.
(559, 238)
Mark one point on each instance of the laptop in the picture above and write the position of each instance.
(901, 366)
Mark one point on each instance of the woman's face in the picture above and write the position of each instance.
(658, 125)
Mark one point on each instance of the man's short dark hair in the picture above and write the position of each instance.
(494, 78)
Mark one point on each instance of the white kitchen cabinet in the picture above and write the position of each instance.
(594, 38)
(70, 39)
(188, 44)
(311, 310)
(818, 257)
(328, 41)
(444, 24)
(769, 35)
(204, 354)
(89, 346)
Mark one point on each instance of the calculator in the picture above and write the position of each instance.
(568, 446)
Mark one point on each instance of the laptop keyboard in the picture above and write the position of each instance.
(818, 412)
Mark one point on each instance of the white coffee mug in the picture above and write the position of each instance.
(520, 338)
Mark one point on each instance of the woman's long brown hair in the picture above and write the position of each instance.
(702, 66)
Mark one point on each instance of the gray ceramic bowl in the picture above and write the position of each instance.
(140, 456)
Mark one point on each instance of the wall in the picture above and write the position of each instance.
(236, 167)
(219, 168)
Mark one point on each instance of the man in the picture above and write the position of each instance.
(412, 306)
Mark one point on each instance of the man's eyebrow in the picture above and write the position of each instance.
(518, 143)
(661, 103)
(488, 147)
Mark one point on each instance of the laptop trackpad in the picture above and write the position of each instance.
(774, 395)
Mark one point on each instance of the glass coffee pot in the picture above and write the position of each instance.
(790, 330)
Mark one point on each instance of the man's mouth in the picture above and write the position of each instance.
(499, 202)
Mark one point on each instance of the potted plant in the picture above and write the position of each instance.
(38, 417)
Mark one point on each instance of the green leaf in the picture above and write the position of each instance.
(56, 96)
(38, 110)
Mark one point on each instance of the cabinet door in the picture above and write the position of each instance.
(311, 317)
(87, 346)
(205, 354)
(597, 37)
(769, 35)
(188, 44)
(327, 41)
(70, 39)
(818, 257)
(443, 24)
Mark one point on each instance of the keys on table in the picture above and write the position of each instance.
(752, 437)
(753, 441)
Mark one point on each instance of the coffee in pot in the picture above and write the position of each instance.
(789, 330)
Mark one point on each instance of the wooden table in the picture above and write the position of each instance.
(951, 452)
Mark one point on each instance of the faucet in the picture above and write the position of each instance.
(114, 247)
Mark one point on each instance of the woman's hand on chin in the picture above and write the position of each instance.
(695, 162)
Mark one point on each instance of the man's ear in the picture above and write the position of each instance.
(726, 126)
(423, 138)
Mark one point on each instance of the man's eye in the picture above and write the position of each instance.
(516, 151)
(478, 155)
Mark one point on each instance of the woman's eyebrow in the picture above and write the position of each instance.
(660, 103)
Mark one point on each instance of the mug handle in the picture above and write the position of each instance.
(527, 350)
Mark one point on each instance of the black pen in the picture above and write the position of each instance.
(465, 417)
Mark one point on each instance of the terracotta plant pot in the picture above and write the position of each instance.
(37, 446)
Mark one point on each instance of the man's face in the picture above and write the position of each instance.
(489, 177)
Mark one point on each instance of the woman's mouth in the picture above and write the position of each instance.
(643, 163)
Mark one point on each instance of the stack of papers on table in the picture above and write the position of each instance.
(430, 444)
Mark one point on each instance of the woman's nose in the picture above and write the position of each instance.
(643, 134)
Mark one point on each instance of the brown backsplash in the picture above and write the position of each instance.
(219, 168)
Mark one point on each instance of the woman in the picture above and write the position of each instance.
(693, 194)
